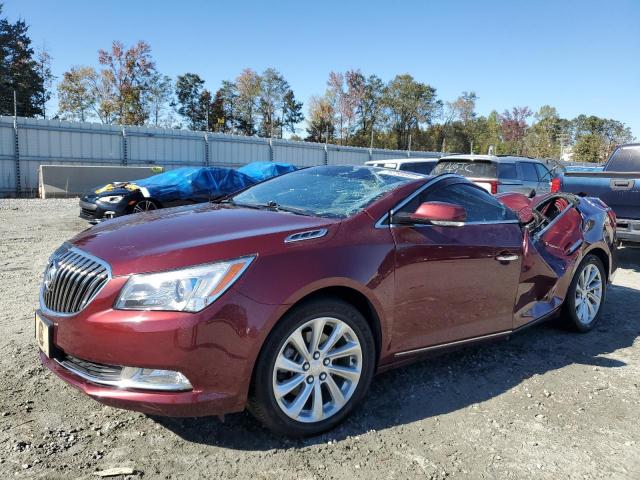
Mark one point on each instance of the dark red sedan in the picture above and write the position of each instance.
(287, 297)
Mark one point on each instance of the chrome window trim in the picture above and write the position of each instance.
(47, 311)
(380, 224)
(407, 199)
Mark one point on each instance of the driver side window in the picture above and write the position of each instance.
(479, 204)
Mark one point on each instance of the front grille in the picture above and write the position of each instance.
(71, 280)
(86, 213)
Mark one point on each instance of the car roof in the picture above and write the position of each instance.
(403, 160)
(492, 158)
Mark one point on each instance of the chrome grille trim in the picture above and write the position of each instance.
(95, 372)
(71, 281)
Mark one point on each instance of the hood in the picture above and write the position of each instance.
(180, 237)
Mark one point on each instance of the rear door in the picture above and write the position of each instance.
(529, 176)
(550, 256)
(455, 283)
(544, 179)
(624, 195)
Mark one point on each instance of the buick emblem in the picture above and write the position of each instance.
(50, 275)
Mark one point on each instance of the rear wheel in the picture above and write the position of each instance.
(314, 368)
(586, 295)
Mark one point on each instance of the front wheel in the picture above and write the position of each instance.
(314, 368)
(586, 295)
(145, 206)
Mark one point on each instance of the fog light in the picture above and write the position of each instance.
(152, 379)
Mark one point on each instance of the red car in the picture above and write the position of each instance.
(287, 297)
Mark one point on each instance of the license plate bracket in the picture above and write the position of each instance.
(44, 334)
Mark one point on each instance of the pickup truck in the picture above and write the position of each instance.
(618, 185)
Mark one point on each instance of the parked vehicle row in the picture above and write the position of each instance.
(287, 297)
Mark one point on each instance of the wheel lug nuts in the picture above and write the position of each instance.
(316, 355)
(306, 366)
(323, 376)
(309, 379)
(326, 362)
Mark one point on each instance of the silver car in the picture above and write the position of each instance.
(499, 174)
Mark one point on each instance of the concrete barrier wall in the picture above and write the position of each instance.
(58, 181)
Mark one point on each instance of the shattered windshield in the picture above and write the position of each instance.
(329, 191)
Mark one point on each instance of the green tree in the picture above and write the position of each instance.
(189, 89)
(409, 104)
(158, 98)
(43, 67)
(292, 112)
(126, 78)
(273, 88)
(321, 125)
(248, 85)
(77, 95)
(19, 71)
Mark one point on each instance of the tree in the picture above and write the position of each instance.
(514, 126)
(43, 67)
(273, 88)
(320, 122)
(459, 126)
(77, 95)
(229, 95)
(543, 138)
(409, 104)
(292, 112)
(595, 137)
(126, 77)
(188, 92)
(19, 71)
(158, 98)
(248, 85)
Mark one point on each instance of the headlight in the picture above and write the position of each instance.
(111, 199)
(190, 289)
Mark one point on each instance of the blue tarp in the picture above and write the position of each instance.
(260, 171)
(193, 183)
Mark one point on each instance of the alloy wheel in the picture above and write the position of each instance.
(317, 370)
(144, 206)
(588, 294)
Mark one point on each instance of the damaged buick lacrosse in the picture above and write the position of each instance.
(287, 298)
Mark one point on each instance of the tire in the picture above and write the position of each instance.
(583, 318)
(312, 374)
(145, 205)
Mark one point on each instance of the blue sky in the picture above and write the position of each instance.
(579, 56)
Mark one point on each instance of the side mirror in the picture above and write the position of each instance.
(435, 213)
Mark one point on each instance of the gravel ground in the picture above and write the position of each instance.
(546, 404)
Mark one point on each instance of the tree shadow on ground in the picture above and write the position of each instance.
(447, 383)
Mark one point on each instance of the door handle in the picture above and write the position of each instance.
(507, 258)
(621, 184)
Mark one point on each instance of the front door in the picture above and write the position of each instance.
(456, 283)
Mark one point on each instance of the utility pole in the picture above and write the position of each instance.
(409, 147)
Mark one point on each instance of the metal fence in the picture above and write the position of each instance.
(27, 143)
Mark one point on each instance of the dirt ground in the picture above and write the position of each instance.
(546, 404)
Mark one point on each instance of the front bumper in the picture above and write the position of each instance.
(628, 230)
(96, 212)
(215, 349)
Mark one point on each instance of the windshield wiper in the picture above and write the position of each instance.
(271, 205)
